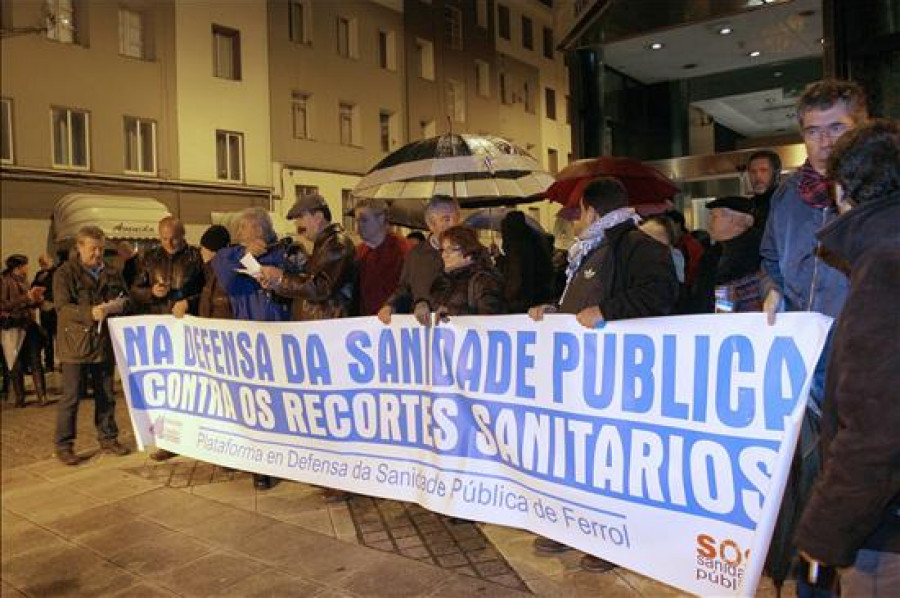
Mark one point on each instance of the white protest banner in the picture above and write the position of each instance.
(661, 444)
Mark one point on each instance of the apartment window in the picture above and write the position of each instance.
(503, 21)
(347, 40)
(552, 161)
(61, 23)
(348, 202)
(427, 129)
(529, 100)
(301, 190)
(131, 33)
(481, 13)
(229, 156)
(387, 50)
(454, 27)
(387, 131)
(548, 43)
(504, 89)
(6, 140)
(71, 137)
(550, 101)
(226, 53)
(456, 100)
(300, 114)
(425, 58)
(348, 122)
(527, 34)
(482, 78)
(299, 21)
(140, 145)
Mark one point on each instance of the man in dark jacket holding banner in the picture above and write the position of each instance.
(615, 272)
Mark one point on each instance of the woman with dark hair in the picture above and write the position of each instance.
(469, 283)
(852, 518)
(526, 266)
(21, 337)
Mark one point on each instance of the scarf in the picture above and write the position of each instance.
(813, 187)
(592, 236)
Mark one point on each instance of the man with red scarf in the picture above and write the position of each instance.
(798, 273)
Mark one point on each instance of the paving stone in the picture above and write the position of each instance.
(230, 529)
(160, 554)
(369, 538)
(281, 544)
(509, 580)
(377, 580)
(209, 575)
(143, 590)
(416, 552)
(270, 583)
(385, 545)
(90, 521)
(408, 542)
(404, 532)
(469, 587)
(465, 570)
(487, 554)
(449, 561)
(112, 539)
(439, 548)
(492, 568)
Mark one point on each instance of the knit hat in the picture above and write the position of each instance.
(215, 238)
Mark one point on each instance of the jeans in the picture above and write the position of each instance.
(875, 574)
(101, 375)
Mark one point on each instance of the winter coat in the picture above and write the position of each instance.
(324, 289)
(856, 500)
(733, 264)
(788, 248)
(526, 266)
(628, 275)
(75, 293)
(379, 272)
(182, 270)
(469, 290)
(213, 302)
(16, 307)
(249, 301)
(422, 265)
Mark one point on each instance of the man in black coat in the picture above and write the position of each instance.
(615, 272)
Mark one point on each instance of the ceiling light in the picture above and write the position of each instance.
(655, 46)
(777, 74)
(726, 31)
(754, 53)
(822, 40)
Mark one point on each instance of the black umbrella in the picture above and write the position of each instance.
(478, 170)
(490, 219)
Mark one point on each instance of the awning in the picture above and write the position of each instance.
(119, 216)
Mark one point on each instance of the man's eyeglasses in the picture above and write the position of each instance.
(832, 131)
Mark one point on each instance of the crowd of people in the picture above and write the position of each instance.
(825, 240)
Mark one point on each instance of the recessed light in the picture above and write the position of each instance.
(777, 74)
(822, 40)
(754, 53)
(726, 31)
(655, 46)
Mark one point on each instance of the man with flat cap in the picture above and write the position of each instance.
(324, 289)
(728, 275)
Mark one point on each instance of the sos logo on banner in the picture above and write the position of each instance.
(720, 562)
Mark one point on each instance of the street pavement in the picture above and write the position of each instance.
(127, 526)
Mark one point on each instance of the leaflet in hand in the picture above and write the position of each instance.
(251, 266)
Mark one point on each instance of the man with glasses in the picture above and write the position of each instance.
(800, 275)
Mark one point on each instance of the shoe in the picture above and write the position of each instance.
(263, 482)
(548, 546)
(113, 447)
(162, 455)
(330, 495)
(596, 565)
(68, 456)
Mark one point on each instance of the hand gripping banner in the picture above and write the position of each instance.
(661, 444)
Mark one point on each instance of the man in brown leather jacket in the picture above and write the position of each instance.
(324, 289)
(170, 277)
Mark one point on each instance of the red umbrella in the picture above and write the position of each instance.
(644, 184)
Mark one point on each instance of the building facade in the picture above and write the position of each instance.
(215, 106)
